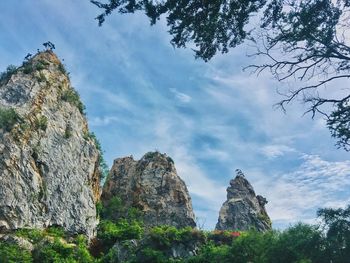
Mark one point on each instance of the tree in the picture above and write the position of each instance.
(337, 225)
(303, 40)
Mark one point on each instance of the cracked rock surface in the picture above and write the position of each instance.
(48, 163)
(243, 210)
(153, 186)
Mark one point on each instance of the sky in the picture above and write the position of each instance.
(142, 95)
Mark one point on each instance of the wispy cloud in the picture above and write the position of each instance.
(316, 183)
(274, 151)
(182, 97)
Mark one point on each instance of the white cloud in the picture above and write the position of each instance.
(103, 121)
(182, 97)
(274, 151)
(315, 184)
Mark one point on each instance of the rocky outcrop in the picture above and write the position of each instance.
(243, 209)
(49, 164)
(153, 186)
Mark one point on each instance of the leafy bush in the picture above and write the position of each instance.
(55, 231)
(297, 243)
(102, 162)
(149, 255)
(34, 235)
(11, 253)
(41, 123)
(8, 118)
(58, 250)
(111, 232)
(62, 69)
(68, 131)
(211, 253)
(10, 70)
(165, 236)
(72, 97)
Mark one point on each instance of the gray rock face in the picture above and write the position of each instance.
(152, 185)
(243, 209)
(48, 163)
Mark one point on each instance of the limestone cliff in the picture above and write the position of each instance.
(152, 185)
(243, 209)
(48, 161)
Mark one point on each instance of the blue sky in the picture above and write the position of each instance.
(141, 94)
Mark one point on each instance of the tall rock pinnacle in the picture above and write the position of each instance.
(153, 186)
(49, 164)
(243, 209)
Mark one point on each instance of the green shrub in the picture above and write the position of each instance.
(41, 123)
(211, 253)
(110, 232)
(149, 255)
(68, 132)
(102, 162)
(10, 70)
(62, 69)
(164, 237)
(35, 235)
(72, 97)
(58, 251)
(8, 118)
(55, 231)
(27, 68)
(11, 253)
(298, 243)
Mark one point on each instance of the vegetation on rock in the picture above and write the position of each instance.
(8, 118)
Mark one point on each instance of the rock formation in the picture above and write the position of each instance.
(243, 209)
(153, 186)
(49, 164)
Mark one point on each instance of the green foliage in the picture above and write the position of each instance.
(62, 69)
(55, 231)
(58, 251)
(165, 236)
(115, 210)
(102, 162)
(11, 253)
(5, 76)
(339, 124)
(8, 118)
(34, 235)
(301, 40)
(170, 160)
(221, 237)
(211, 25)
(211, 253)
(298, 243)
(337, 225)
(149, 255)
(27, 68)
(41, 123)
(68, 132)
(72, 97)
(110, 232)
(151, 155)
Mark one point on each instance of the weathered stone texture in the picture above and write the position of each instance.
(48, 163)
(243, 209)
(153, 186)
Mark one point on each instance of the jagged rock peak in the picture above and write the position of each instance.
(49, 163)
(243, 209)
(153, 186)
